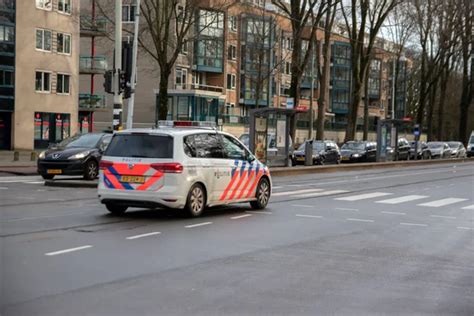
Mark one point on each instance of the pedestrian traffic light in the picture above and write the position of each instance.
(109, 81)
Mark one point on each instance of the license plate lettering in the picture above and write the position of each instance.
(132, 179)
(54, 171)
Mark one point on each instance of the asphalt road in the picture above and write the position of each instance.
(394, 241)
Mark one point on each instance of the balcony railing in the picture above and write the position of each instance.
(234, 119)
(91, 101)
(93, 27)
(202, 87)
(92, 65)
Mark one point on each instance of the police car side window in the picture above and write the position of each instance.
(232, 148)
(208, 146)
(189, 146)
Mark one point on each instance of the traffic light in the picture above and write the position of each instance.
(109, 81)
(416, 131)
(125, 77)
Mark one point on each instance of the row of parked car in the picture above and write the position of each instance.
(325, 152)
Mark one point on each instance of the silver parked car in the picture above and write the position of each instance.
(457, 150)
(439, 150)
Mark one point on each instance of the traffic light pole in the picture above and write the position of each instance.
(118, 105)
(131, 102)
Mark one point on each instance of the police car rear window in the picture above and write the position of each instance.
(140, 146)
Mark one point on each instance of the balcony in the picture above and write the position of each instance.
(92, 65)
(91, 102)
(93, 27)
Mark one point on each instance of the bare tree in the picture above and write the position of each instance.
(304, 16)
(467, 23)
(324, 69)
(363, 19)
(167, 26)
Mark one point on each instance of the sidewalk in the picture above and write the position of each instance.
(22, 166)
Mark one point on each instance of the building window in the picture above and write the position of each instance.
(231, 81)
(229, 108)
(288, 68)
(62, 84)
(44, 4)
(232, 52)
(64, 43)
(128, 13)
(64, 6)
(43, 40)
(7, 33)
(184, 47)
(7, 79)
(233, 23)
(289, 43)
(180, 13)
(43, 81)
(181, 78)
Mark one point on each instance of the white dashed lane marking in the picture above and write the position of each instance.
(302, 205)
(443, 216)
(60, 252)
(346, 209)
(403, 199)
(320, 193)
(413, 224)
(308, 216)
(360, 220)
(241, 216)
(470, 207)
(442, 202)
(465, 228)
(296, 192)
(363, 196)
(143, 235)
(198, 225)
(393, 213)
(259, 212)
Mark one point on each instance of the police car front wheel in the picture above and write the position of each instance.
(196, 201)
(262, 194)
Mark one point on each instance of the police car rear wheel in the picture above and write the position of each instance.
(262, 195)
(116, 209)
(196, 201)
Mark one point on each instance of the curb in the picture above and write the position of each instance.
(290, 171)
(71, 184)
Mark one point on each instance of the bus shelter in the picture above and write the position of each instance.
(269, 136)
(387, 138)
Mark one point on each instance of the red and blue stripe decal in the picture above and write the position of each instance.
(112, 177)
(244, 180)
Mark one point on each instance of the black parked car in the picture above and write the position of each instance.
(323, 152)
(423, 151)
(403, 151)
(359, 151)
(77, 155)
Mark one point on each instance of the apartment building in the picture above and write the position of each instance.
(240, 57)
(39, 72)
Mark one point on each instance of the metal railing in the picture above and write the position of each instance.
(97, 25)
(91, 101)
(92, 64)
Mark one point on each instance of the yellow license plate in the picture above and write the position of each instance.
(54, 171)
(132, 179)
(300, 158)
(345, 158)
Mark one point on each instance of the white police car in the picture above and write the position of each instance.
(179, 165)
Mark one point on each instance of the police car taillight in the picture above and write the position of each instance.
(170, 167)
(104, 164)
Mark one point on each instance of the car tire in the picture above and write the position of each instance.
(196, 201)
(262, 194)
(116, 209)
(91, 170)
(47, 176)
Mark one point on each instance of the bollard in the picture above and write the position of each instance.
(308, 153)
(33, 156)
(16, 156)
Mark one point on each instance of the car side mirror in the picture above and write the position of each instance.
(251, 158)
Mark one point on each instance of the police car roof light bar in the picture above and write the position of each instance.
(195, 124)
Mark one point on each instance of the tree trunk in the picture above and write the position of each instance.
(443, 86)
(322, 104)
(351, 127)
(430, 108)
(422, 98)
(163, 95)
(366, 108)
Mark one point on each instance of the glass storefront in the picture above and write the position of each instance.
(51, 128)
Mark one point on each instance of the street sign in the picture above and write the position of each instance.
(290, 103)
